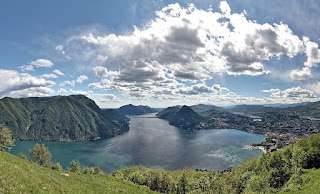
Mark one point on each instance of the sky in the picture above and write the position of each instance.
(162, 53)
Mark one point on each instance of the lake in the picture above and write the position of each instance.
(154, 143)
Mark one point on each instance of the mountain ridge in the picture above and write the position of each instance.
(59, 118)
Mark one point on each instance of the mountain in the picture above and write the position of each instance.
(244, 108)
(135, 110)
(60, 118)
(200, 108)
(308, 110)
(184, 118)
(168, 113)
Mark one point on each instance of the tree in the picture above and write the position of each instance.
(183, 183)
(6, 141)
(40, 155)
(75, 166)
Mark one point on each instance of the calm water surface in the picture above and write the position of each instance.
(154, 143)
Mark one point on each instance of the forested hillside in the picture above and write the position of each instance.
(60, 118)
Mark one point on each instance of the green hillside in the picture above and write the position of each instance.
(21, 176)
(135, 110)
(59, 118)
(201, 108)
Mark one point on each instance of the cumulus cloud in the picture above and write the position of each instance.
(103, 72)
(271, 90)
(58, 72)
(314, 87)
(182, 47)
(294, 93)
(37, 63)
(26, 68)
(196, 44)
(202, 89)
(102, 58)
(71, 83)
(49, 76)
(62, 90)
(42, 63)
(61, 49)
(81, 78)
(108, 98)
(312, 52)
(17, 84)
(85, 93)
(301, 75)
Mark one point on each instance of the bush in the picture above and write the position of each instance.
(295, 182)
(57, 166)
(22, 156)
(75, 166)
(87, 170)
(97, 170)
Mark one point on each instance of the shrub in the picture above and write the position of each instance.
(75, 166)
(22, 156)
(57, 166)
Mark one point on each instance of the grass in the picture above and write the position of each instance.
(312, 185)
(21, 176)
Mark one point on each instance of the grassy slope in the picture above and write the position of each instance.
(312, 186)
(21, 176)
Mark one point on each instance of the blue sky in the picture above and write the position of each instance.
(162, 53)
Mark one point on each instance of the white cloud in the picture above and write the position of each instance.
(37, 63)
(71, 83)
(314, 87)
(102, 58)
(108, 98)
(81, 78)
(301, 75)
(16, 84)
(32, 92)
(62, 90)
(202, 89)
(58, 72)
(49, 76)
(85, 93)
(26, 68)
(312, 52)
(271, 90)
(297, 93)
(103, 72)
(61, 49)
(42, 63)
(183, 47)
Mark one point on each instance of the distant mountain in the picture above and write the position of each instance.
(200, 108)
(184, 118)
(307, 110)
(135, 110)
(168, 113)
(244, 108)
(60, 118)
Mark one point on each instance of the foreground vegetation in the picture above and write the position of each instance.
(280, 171)
(18, 175)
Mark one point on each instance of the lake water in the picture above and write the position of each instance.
(154, 143)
